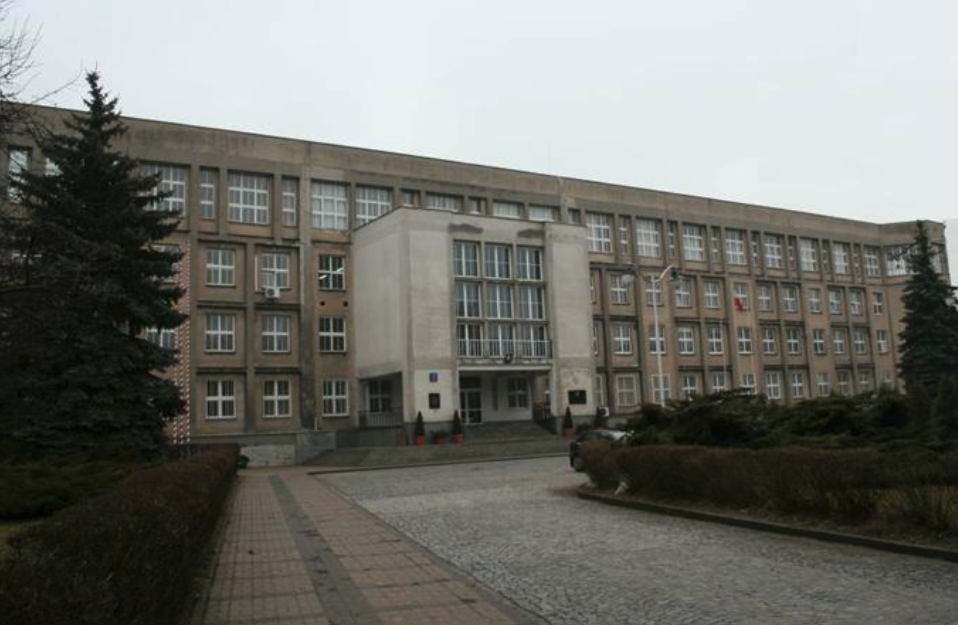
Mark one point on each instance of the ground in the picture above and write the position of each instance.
(517, 528)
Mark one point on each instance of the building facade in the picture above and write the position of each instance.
(332, 288)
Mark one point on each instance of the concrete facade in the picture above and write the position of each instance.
(367, 327)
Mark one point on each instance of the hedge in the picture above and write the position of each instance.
(127, 557)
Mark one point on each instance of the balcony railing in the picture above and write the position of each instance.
(505, 350)
(383, 419)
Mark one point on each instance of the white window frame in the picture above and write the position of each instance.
(618, 289)
(541, 213)
(277, 399)
(248, 198)
(622, 339)
(872, 262)
(600, 232)
(532, 303)
(856, 303)
(220, 266)
(748, 382)
(276, 333)
(773, 251)
(498, 262)
(329, 205)
(220, 400)
(507, 210)
(274, 269)
(882, 341)
(685, 336)
(860, 341)
(743, 340)
(719, 382)
(823, 383)
(444, 202)
(808, 254)
(836, 303)
(219, 333)
(18, 162)
(798, 384)
(372, 203)
(335, 398)
(290, 210)
(683, 293)
(763, 296)
(517, 393)
(529, 263)
(839, 341)
(465, 259)
(773, 385)
(332, 330)
(174, 180)
(713, 297)
(693, 242)
(209, 181)
(164, 338)
(468, 299)
(735, 253)
(690, 385)
(661, 387)
(332, 272)
(790, 296)
(499, 301)
(840, 258)
(814, 299)
(626, 390)
(819, 344)
(657, 343)
(878, 303)
(793, 341)
(769, 340)
(716, 340)
(648, 238)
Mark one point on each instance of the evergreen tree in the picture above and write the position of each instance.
(75, 373)
(946, 406)
(930, 338)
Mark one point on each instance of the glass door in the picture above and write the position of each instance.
(470, 399)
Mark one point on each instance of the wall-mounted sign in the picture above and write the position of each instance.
(434, 401)
(577, 397)
(433, 376)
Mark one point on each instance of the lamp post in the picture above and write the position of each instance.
(655, 321)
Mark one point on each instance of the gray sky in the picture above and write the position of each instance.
(840, 107)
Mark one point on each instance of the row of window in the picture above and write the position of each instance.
(273, 269)
(221, 404)
(219, 333)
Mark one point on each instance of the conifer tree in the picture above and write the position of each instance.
(75, 373)
(930, 339)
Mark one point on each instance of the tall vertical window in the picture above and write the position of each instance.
(686, 340)
(625, 239)
(856, 302)
(773, 251)
(653, 292)
(683, 293)
(878, 303)
(763, 295)
(690, 385)
(769, 341)
(498, 262)
(332, 334)
(881, 341)
(274, 270)
(844, 383)
(499, 301)
(860, 341)
(372, 203)
(740, 296)
(793, 340)
(814, 299)
(798, 384)
(712, 294)
(716, 345)
(509, 210)
(790, 298)
(275, 334)
(619, 289)
(693, 242)
(290, 201)
(840, 258)
(626, 389)
(748, 382)
(824, 384)
(332, 272)
(818, 341)
(719, 382)
(18, 163)
(657, 339)
(442, 202)
(172, 181)
(469, 338)
(600, 232)
(248, 198)
(622, 339)
(465, 259)
(335, 398)
(220, 333)
(209, 179)
(467, 299)
(532, 302)
(599, 389)
(835, 304)
(864, 381)
(661, 388)
(743, 337)
(529, 263)
(517, 393)
(808, 254)
(773, 384)
(872, 263)
(220, 266)
(735, 247)
(330, 208)
(839, 339)
(220, 399)
(541, 213)
(276, 399)
(648, 241)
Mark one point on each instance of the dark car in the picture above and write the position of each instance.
(575, 460)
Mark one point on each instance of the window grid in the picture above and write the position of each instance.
(686, 340)
(716, 342)
(693, 242)
(773, 251)
(332, 272)
(335, 398)
(274, 270)
(372, 203)
(209, 179)
(517, 393)
(276, 330)
(600, 232)
(743, 336)
(220, 333)
(220, 266)
(712, 294)
(509, 210)
(332, 334)
(248, 198)
(735, 247)
(276, 399)
(290, 201)
(220, 399)
(626, 390)
(329, 206)
(621, 339)
(647, 238)
(172, 180)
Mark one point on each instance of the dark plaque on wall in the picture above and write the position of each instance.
(434, 401)
(577, 398)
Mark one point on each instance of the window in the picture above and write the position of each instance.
(290, 201)
(683, 293)
(19, 162)
(856, 302)
(467, 299)
(502, 337)
(793, 341)
(440, 202)
(773, 251)
(839, 338)
(719, 382)
(499, 301)
(600, 232)
(220, 333)
(248, 198)
(808, 254)
(274, 270)
(673, 248)
(716, 248)
(661, 388)
(276, 401)
(840, 257)
(798, 384)
(814, 299)
(220, 266)
(824, 384)
(657, 339)
(860, 340)
(335, 399)
(647, 238)
(275, 334)
(379, 396)
(618, 288)
(172, 181)
(896, 261)
(769, 341)
(790, 299)
(716, 342)
(532, 302)
(220, 399)
(740, 296)
(372, 203)
(712, 294)
(469, 336)
(599, 390)
(209, 180)
(764, 296)
(818, 342)
(625, 247)
(653, 292)
(864, 381)
(410, 198)
(748, 382)
(541, 213)
(332, 334)
(621, 339)
(498, 262)
(510, 210)
(686, 339)
(744, 339)
(872, 264)
(626, 390)
(693, 242)
(878, 303)
(735, 247)
(530, 263)
(164, 338)
(773, 384)
(595, 339)
(477, 205)
(844, 383)
(881, 341)
(533, 341)
(517, 391)
(332, 272)
(690, 385)
(465, 259)
(835, 304)
(575, 216)
(329, 207)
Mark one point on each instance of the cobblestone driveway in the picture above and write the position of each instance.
(517, 527)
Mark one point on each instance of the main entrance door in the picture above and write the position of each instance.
(470, 399)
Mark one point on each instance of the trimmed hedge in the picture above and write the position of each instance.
(128, 557)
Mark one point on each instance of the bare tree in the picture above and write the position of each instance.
(17, 46)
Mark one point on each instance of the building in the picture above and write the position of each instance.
(335, 292)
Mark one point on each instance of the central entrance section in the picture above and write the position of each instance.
(500, 396)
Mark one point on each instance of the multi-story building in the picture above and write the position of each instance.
(332, 288)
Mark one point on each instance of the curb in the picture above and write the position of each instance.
(922, 551)
(389, 467)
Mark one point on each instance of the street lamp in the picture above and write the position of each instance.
(653, 280)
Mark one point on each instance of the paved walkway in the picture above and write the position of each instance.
(295, 551)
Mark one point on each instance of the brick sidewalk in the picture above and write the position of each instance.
(295, 551)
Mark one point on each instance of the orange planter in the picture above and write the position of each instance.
(420, 441)
(457, 439)
(568, 432)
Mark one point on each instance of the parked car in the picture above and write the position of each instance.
(575, 460)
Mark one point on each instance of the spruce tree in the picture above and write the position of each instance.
(75, 372)
(930, 338)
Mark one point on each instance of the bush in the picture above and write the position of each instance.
(728, 419)
(126, 557)
(456, 424)
(567, 422)
(946, 407)
(599, 462)
(893, 410)
(420, 427)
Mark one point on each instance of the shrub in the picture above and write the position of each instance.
(653, 414)
(892, 410)
(728, 419)
(126, 557)
(946, 407)
(439, 436)
(420, 427)
(824, 415)
(599, 462)
(919, 404)
(567, 422)
(456, 424)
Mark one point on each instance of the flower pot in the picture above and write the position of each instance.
(420, 441)
(440, 441)
(568, 432)
(457, 439)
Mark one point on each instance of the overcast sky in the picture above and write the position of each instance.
(840, 107)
